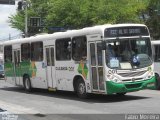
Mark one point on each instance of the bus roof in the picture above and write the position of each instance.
(57, 35)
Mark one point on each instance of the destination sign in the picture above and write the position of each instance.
(126, 31)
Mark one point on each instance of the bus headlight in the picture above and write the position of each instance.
(113, 78)
(150, 75)
(110, 77)
(116, 80)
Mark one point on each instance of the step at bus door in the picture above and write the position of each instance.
(17, 70)
(50, 66)
(96, 67)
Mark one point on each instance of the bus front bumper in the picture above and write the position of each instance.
(113, 87)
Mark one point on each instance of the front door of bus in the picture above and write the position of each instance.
(96, 67)
(17, 70)
(50, 66)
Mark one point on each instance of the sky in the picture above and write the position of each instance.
(5, 29)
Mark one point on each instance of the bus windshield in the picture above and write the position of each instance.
(128, 53)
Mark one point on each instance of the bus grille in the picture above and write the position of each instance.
(135, 79)
(133, 85)
(132, 74)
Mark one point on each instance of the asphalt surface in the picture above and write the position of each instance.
(41, 104)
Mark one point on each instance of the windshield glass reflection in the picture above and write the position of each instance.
(128, 53)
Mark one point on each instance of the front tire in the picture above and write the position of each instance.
(121, 94)
(157, 84)
(27, 84)
(81, 89)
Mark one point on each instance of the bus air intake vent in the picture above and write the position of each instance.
(132, 74)
(128, 86)
(131, 80)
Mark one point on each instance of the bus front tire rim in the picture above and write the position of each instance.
(81, 88)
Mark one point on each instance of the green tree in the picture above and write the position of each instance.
(82, 13)
(17, 21)
(154, 17)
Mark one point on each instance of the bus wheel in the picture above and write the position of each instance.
(121, 94)
(27, 84)
(81, 89)
(157, 82)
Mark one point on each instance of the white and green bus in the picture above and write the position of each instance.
(104, 59)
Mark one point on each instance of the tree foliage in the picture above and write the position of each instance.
(81, 13)
(152, 22)
(17, 21)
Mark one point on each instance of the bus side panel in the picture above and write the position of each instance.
(9, 72)
(26, 68)
(38, 75)
(67, 70)
(82, 69)
(64, 75)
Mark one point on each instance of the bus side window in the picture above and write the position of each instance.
(25, 52)
(63, 51)
(99, 53)
(79, 48)
(37, 51)
(8, 53)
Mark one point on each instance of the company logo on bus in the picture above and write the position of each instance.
(65, 68)
(133, 79)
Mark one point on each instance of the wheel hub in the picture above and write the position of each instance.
(81, 88)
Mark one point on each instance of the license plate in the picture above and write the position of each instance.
(150, 85)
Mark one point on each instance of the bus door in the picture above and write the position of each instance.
(96, 67)
(50, 66)
(17, 71)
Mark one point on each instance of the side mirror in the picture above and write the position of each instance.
(103, 44)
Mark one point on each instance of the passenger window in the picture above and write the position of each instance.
(79, 48)
(99, 53)
(92, 54)
(8, 53)
(25, 51)
(37, 51)
(63, 49)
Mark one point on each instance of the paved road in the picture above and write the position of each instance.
(41, 103)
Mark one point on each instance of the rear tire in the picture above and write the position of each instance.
(81, 89)
(27, 84)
